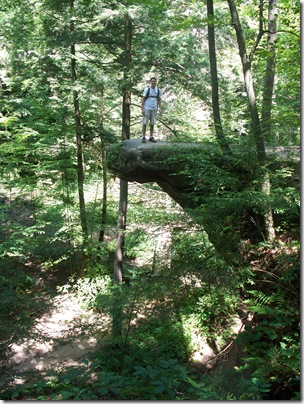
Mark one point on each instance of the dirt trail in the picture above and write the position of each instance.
(60, 338)
(64, 336)
(61, 333)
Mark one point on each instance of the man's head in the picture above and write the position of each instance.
(153, 81)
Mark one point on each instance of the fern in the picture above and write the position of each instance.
(260, 302)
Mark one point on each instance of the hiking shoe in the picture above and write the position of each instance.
(143, 140)
(151, 139)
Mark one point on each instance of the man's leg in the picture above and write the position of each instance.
(144, 129)
(151, 138)
(145, 121)
(152, 123)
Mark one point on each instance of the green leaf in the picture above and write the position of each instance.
(160, 389)
(104, 391)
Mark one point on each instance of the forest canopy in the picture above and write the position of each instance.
(190, 244)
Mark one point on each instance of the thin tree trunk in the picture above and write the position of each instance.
(270, 70)
(123, 197)
(214, 80)
(66, 192)
(104, 194)
(246, 64)
(268, 215)
(121, 227)
(104, 174)
(267, 105)
(78, 130)
(80, 170)
(255, 122)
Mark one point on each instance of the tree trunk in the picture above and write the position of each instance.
(104, 173)
(268, 216)
(267, 104)
(80, 171)
(123, 196)
(104, 194)
(255, 122)
(214, 81)
(126, 113)
(78, 129)
(121, 227)
(246, 64)
(270, 70)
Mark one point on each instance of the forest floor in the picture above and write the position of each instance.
(49, 329)
(60, 334)
(53, 332)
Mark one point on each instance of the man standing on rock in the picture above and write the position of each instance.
(151, 102)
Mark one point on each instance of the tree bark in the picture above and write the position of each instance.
(270, 70)
(104, 172)
(121, 227)
(125, 134)
(78, 130)
(246, 64)
(255, 121)
(104, 193)
(214, 80)
(267, 105)
(126, 114)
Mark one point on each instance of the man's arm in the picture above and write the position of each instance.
(159, 104)
(144, 97)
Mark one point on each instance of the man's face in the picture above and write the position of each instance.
(153, 83)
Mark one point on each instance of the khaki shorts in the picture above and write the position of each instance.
(149, 116)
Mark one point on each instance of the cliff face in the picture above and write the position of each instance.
(203, 180)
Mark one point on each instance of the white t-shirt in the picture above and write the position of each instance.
(151, 101)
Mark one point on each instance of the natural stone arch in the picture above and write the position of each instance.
(169, 165)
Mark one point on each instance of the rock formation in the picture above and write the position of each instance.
(206, 182)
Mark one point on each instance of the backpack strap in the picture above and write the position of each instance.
(148, 93)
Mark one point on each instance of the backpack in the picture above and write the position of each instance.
(148, 93)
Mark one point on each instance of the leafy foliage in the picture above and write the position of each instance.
(274, 333)
(161, 311)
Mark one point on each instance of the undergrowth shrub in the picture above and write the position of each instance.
(166, 380)
(88, 289)
(272, 339)
(214, 310)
